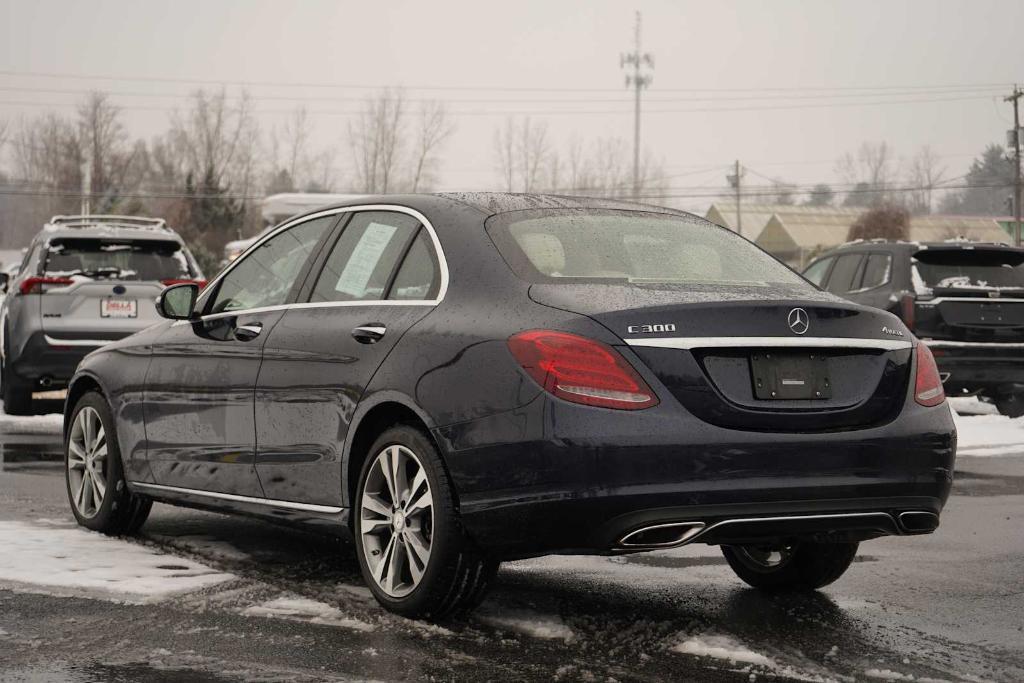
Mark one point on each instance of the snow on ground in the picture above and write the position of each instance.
(721, 647)
(527, 622)
(30, 424)
(303, 609)
(982, 431)
(74, 561)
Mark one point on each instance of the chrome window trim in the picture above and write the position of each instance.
(285, 504)
(772, 342)
(441, 262)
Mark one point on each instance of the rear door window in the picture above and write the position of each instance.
(419, 276)
(361, 263)
(842, 279)
(114, 259)
(877, 271)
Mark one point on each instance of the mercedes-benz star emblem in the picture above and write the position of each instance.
(799, 322)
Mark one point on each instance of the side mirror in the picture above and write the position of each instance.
(178, 301)
(5, 281)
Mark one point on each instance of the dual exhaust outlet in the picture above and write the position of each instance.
(674, 534)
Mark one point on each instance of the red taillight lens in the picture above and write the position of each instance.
(38, 285)
(581, 370)
(168, 283)
(907, 302)
(928, 389)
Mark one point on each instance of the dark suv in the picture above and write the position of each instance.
(964, 299)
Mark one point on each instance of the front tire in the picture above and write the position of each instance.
(800, 566)
(94, 474)
(413, 552)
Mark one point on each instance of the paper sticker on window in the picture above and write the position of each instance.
(364, 259)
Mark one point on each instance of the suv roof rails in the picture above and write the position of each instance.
(93, 220)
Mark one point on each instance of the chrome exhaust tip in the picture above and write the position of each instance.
(669, 535)
(918, 522)
(46, 382)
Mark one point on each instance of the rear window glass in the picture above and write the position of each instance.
(970, 268)
(117, 259)
(627, 246)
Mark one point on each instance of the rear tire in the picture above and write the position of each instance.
(414, 554)
(801, 566)
(1011, 405)
(94, 473)
(17, 393)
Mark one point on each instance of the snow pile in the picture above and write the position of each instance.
(31, 424)
(533, 624)
(73, 561)
(989, 435)
(888, 675)
(304, 609)
(721, 647)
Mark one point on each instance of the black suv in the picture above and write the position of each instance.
(964, 299)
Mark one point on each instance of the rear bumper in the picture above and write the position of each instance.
(974, 366)
(55, 357)
(555, 477)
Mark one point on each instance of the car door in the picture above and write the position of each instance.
(874, 289)
(382, 274)
(200, 383)
(845, 275)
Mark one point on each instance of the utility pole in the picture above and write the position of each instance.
(1014, 139)
(638, 81)
(736, 180)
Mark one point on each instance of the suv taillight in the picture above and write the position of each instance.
(172, 281)
(581, 370)
(907, 302)
(928, 389)
(39, 285)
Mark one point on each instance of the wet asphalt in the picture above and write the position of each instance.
(949, 606)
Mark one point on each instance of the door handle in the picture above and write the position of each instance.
(369, 334)
(248, 332)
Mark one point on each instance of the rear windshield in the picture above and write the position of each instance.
(970, 268)
(629, 246)
(117, 259)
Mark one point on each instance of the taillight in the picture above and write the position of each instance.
(928, 389)
(907, 302)
(168, 283)
(39, 285)
(581, 370)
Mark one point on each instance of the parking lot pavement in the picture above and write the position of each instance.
(205, 596)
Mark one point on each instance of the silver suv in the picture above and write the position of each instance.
(84, 281)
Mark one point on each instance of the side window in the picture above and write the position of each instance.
(419, 277)
(817, 272)
(877, 271)
(362, 260)
(841, 280)
(266, 275)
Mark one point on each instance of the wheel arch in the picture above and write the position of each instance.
(79, 386)
(373, 417)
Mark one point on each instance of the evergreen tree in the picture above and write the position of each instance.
(989, 185)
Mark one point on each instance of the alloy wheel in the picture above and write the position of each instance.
(87, 462)
(396, 520)
(766, 558)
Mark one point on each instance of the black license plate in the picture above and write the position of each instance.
(790, 376)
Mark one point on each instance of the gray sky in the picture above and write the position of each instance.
(708, 55)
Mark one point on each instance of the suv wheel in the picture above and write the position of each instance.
(94, 474)
(796, 566)
(412, 549)
(1011, 405)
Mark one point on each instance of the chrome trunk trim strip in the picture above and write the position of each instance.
(771, 342)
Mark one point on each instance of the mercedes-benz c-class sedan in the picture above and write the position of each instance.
(456, 380)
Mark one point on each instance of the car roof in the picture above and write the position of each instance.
(492, 203)
(912, 247)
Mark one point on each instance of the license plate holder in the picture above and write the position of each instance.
(119, 308)
(790, 376)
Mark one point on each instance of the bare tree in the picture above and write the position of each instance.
(108, 152)
(505, 148)
(532, 150)
(376, 140)
(434, 129)
(882, 222)
(872, 168)
(924, 176)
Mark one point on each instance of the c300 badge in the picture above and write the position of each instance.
(651, 329)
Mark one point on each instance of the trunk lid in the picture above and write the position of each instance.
(104, 309)
(723, 350)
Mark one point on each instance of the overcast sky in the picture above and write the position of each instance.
(708, 55)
